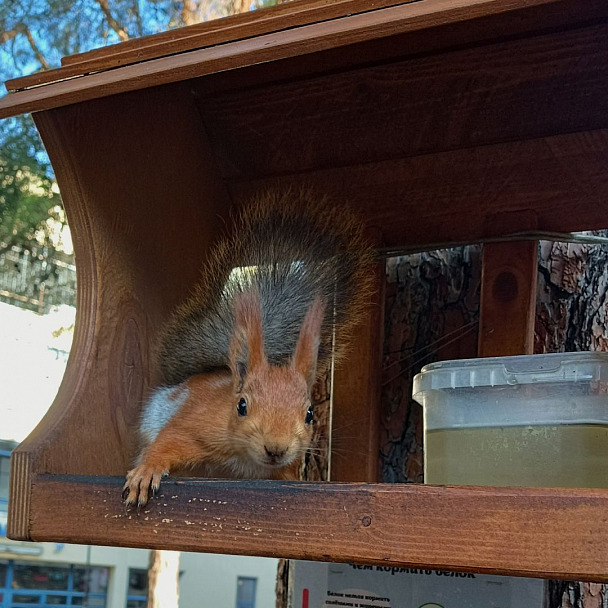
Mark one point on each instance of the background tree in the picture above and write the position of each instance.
(28, 198)
(34, 35)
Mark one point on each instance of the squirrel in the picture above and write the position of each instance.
(277, 302)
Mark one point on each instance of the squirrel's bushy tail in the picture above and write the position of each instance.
(291, 247)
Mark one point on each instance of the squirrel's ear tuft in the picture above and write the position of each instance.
(307, 349)
(247, 343)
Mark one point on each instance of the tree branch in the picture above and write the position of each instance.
(189, 12)
(117, 27)
(137, 13)
(8, 35)
(39, 56)
(21, 28)
(240, 6)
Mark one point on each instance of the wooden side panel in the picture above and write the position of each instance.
(356, 392)
(508, 299)
(144, 202)
(519, 531)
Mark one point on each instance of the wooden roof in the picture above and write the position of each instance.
(298, 29)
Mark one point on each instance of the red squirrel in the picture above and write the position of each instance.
(277, 300)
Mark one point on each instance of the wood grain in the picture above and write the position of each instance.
(202, 35)
(233, 27)
(299, 41)
(555, 183)
(140, 231)
(356, 392)
(508, 299)
(418, 105)
(529, 532)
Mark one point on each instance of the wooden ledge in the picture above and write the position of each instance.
(533, 532)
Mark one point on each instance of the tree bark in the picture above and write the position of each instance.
(572, 295)
(163, 579)
(579, 595)
(571, 315)
(432, 312)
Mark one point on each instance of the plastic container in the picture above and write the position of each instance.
(534, 420)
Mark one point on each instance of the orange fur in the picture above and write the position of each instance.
(307, 348)
(207, 431)
(247, 344)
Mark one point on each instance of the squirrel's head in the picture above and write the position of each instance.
(273, 413)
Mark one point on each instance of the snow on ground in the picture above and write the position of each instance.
(32, 364)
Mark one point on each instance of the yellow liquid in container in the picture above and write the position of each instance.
(566, 456)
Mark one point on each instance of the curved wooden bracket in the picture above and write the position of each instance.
(140, 232)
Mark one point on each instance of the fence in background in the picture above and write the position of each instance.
(36, 279)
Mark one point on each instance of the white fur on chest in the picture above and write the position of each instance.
(162, 405)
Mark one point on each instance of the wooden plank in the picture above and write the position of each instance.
(233, 27)
(414, 44)
(417, 105)
(515, 531)
(556, 183)
(306, 40)
(201, 35)
(259, 21)
(219, 31)
(508, 299)
(356, 392)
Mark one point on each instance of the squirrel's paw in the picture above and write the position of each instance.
(140, 481)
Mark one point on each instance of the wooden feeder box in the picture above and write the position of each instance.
(440, 121)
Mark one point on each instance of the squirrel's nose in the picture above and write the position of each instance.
(275, 452)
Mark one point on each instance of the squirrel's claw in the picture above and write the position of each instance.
(140, 483)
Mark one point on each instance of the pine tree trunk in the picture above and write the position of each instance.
(572, 294)
(163, 579)
(571, 315)
(432, 312)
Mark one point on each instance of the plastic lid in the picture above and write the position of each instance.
(510, 371)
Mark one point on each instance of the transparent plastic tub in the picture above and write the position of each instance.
(534, 420)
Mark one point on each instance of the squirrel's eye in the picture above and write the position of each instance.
(309, 415)
(241, 407)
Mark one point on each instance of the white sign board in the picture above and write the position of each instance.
(321, 585)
